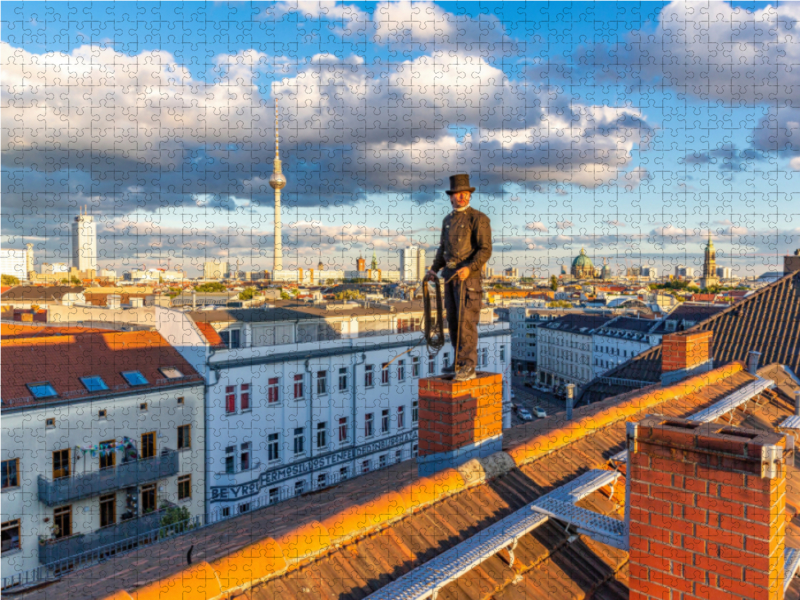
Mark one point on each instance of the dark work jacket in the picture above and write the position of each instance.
(466, 242)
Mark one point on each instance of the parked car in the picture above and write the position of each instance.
(539, 412)
(524, 414)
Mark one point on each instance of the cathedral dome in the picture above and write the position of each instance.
(583, 261)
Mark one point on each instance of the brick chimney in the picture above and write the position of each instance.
(458, 421)
(685, 354)
(705, 511)
(791, 263)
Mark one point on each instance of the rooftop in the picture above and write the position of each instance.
(65, 362)
(578, 323)
(38, 292)
(289, 310)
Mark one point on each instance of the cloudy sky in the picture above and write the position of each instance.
(630, 130)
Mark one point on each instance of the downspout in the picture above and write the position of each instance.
(355, 364)
(209, 368)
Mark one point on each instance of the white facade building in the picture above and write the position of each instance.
(215, 269)
(621, 339)
(55, 268)
(724, 272)
(95, 452)
(524, 321)
(84, 243)
(14, 262)
(422, 269)
(301, 404)
(409, 263)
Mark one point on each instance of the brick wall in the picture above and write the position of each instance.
(453, 415)
(706, 511)
(684, 351)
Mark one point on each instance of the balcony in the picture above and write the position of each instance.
(130, 474)
(137, 530)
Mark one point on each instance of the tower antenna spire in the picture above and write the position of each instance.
(277, 182)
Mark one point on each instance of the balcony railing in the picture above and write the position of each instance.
(54, 492)
(147, 526)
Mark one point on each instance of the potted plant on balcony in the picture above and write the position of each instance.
(175, 518)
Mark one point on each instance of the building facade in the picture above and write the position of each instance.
(215, 269)
(409, 263)
(103, 438)
(524, 322)
(621, 339)
(14, 263)
(84, 243)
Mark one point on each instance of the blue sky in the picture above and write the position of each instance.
(628, 129)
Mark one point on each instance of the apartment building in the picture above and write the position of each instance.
(621, 339)
(102, 443)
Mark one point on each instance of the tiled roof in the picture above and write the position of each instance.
(62, 360)
(576, 322)
(767, 321)
(37, 292)
(293, 311)
(10, 331)
(212, 337)
(629, 324)
(360, 548)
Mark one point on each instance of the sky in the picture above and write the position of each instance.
(631, 130)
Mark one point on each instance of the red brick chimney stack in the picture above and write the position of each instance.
(706, 511)
(684, 354)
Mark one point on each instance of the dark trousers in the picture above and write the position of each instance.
(462, 321)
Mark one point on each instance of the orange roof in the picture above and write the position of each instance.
(14, 330)
(62, 360)
(211, 335)
(4, 288)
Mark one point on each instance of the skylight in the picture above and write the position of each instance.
(171, 372)
(134, 378)
(42, 390)
(94, 383)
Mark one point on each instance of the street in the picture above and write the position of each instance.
(530, 398)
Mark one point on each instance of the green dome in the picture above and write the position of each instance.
(582, 261)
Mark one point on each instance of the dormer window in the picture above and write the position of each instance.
(94, 383)
(134, 378)
(171, 372)
(42, 390)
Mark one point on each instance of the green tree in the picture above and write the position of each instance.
(285, 296)
(210, 286)
(349, 295)
(176, 519)
(559, 304)
(247, 294)
(553, 283)
(9, 280)
(74, 280)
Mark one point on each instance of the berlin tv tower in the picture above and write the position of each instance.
(277, 181)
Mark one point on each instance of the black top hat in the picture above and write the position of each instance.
(459, 183)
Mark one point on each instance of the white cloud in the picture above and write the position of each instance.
(537, 226)
(795, 163)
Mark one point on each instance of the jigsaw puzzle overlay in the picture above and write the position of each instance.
(400, 299)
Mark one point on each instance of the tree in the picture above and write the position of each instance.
(559, 304)
(210, 286)
(285, 296)
(176, 519)
(553, 283)
(247, 294)
(74, 280)
(10, 280)
(349, 295)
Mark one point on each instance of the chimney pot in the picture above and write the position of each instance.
(570, 400)
(797, 403)
(753, 358)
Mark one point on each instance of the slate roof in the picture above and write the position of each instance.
(293, 311)
(575, 322)
(348, 549)
(62, 360)
(627, 324)
(768, 321)
(691, 313)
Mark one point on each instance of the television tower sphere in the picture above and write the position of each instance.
(277, 181)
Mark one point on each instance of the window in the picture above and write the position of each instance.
(171, 372)
(385, 374)
(322, 435)
(180, 400)
(322, 480)
(299, 440)
(108, 510)
(382, 461)
(50, 423)
(431, 365)
(273, 450)
(10, 473)
(10, 536)
(226, 512)
(401, 370)
(244, 396)
(60, 464)
(343, 430)
(369, 374)
(385, 421)
(245, 456)
(344, 473)
(102, 414)
(273, 395)
(148, 498)
(108, 454)
(401, 417)
(415, 411)
(273, 495)
(298, 387)
(398, 456)
(62, 522)
(42, 390)
(365, 466)
(230, 399)
(322, 383)
(134, 378)
(414, 450)
(184, 437)
(230, 460)
(415, 366)
(368, 425)
(502, 354)
(243, 508)
(445, 359)
(184, 487)
(94, 383)
(343, 379)
(230, 338)
(299, 488)
(149, 444)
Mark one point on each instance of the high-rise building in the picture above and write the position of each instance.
(488, 272)
(84, 243)
(408, 263)
(277, 181)
(511, 272)
(215, 269)
(361, 264)
(724, 272)
(12, 262)
(421, 268)
(709, 278)
(28, 260)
